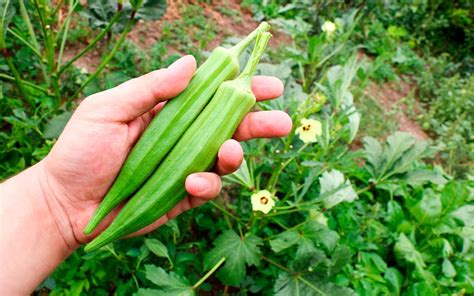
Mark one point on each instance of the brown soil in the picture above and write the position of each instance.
(390, 96)
(146, 34)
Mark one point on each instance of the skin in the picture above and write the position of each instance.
(44, 209)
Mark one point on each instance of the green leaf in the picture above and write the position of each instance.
(421, 289)
(374, 155)
(151, 10)
(77, 288)
(307, 237)
(373, 262)
(299, 285)
(394, 279)
(55, 125)
(340, 258)
(333, 180)
(149, 292)
(7, 11)
(354, 122)
(448, 269)
(414, 153)
(237, 251)
(406, 250)
(100, 12)
(422, 176)
(285, 240)
(465, 214)
(158, 248)
(397, 145)
(395, 214)
(242, 176)
(428, 209)
(454, 195)
(169, 283)
(320, 234)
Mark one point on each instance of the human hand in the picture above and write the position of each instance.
(96, 141)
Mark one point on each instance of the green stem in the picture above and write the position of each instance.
(34, 39)
(311, 285)
(284, 212)
(18, 80)
(108, 57)
(99, 37)
(208, 274)
(223, 210)
(25, 42)
(239, 48)
(49, 45)
(276, 174)
(72, 7)
(27, 83)
(55, 10)
(260, 44)
(277, 264)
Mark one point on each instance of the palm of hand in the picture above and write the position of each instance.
(92, 148)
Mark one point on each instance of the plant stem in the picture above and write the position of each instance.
(208, 274)
(27, 83)
(72, 6)
(276, 174)
(242, 45)
(49, 45)
(223, 210)
(108, 57)
(91, 44)
(34, 40)
(18, 80)
(260, 44)
(277, 264)
(25, 42)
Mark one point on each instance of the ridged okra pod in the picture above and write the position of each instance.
(195, 152)
(170, 124)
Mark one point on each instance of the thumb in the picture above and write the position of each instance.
(137, 96)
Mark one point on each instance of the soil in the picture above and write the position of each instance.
(147, 33)
(390, 96)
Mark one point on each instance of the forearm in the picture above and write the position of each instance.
(31, 244)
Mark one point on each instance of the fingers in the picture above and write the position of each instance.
(138, 96)
(203, 185)
(263, 124)
(266, 87)
(229, 157)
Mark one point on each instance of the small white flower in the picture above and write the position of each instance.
(291, 146)
(328, 27)
(277, 151)
(309, 130)
(262, 201)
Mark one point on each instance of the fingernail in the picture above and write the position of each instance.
(179, 62)
(200, 184)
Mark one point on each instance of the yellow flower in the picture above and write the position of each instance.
(309, 130)
(262, 201)
(328, 27)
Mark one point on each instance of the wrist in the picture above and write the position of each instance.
(33, 239)
(54, 201)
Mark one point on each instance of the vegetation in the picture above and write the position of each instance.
(353, 206)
